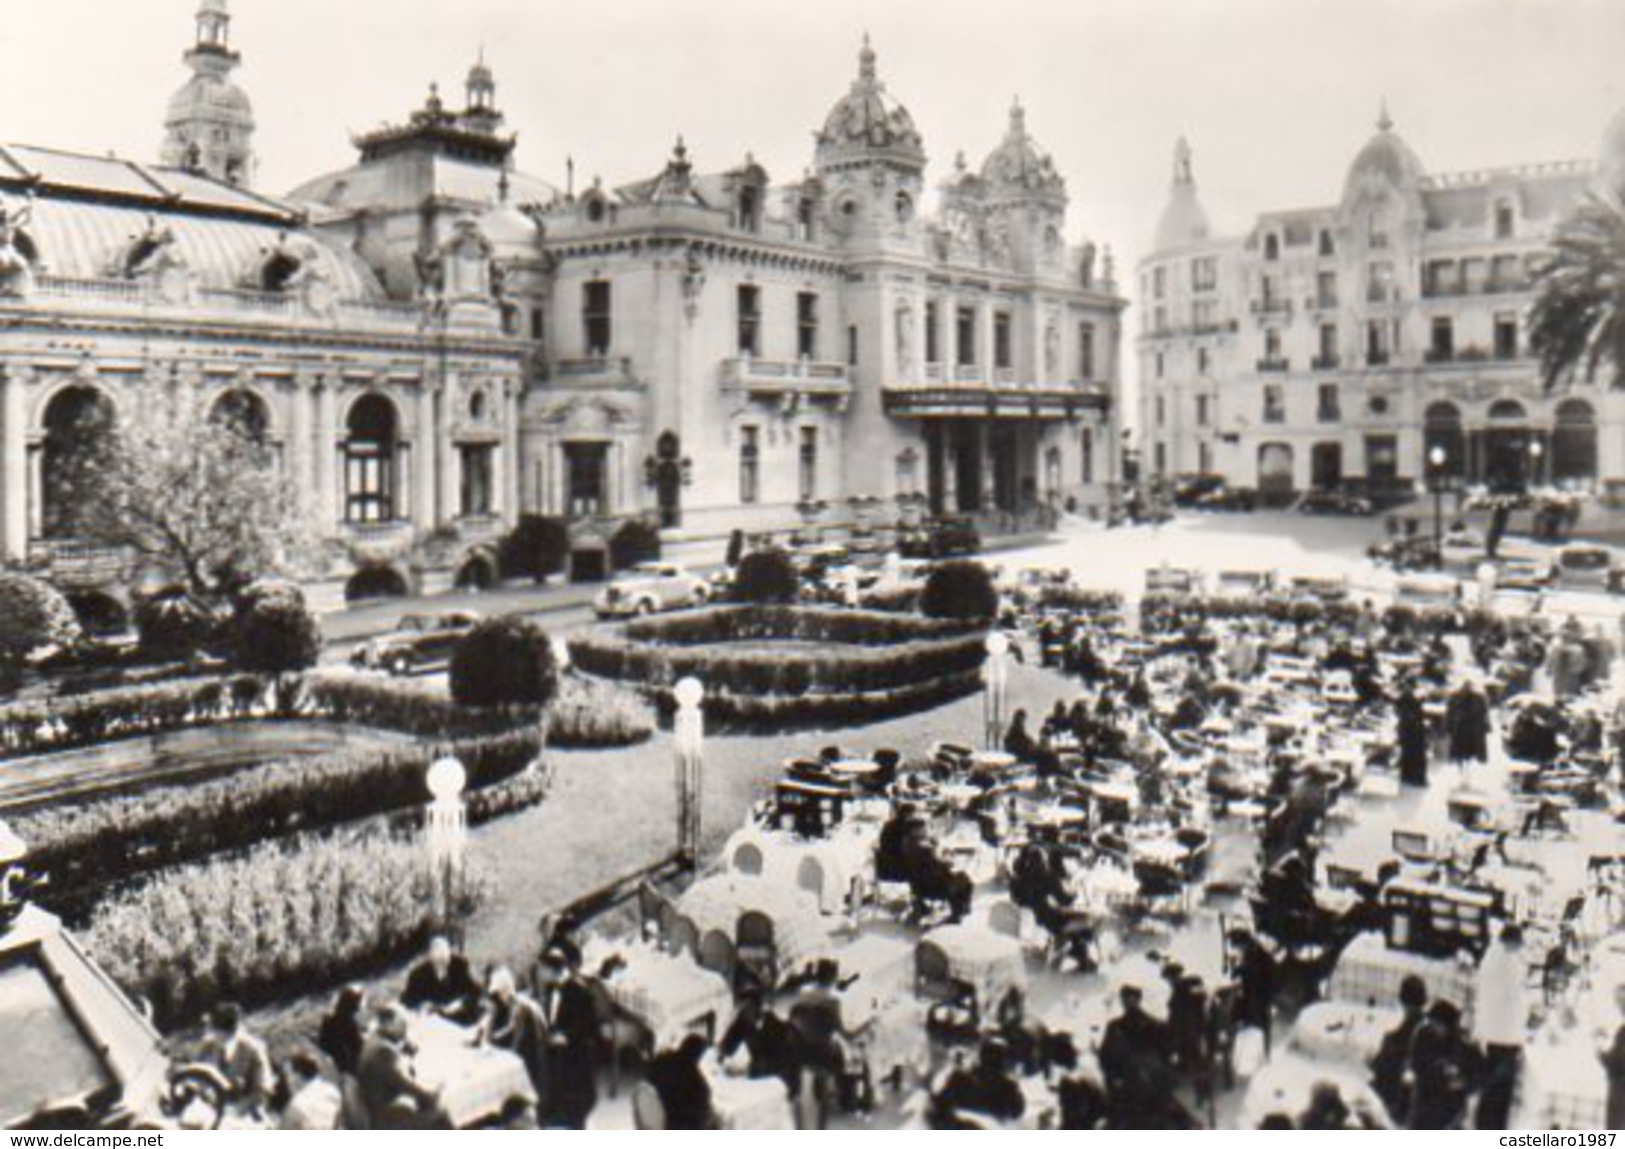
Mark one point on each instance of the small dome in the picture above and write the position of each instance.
(205, 93)
(1183, 219)
(1018, 164)
(868, 120)
(1613, 152)
(509, 230)
(1386, 159)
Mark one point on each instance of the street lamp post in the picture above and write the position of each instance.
(1436, 462)
(688, 728)
(995, 678)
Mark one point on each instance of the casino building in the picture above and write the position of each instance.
(433, 342)
(1350, 343)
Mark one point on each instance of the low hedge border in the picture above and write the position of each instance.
(883, 652)
(769, 714)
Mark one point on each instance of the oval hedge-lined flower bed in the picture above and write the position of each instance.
(857, 666)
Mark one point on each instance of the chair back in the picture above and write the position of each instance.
(717, 954)
(649, 903)
(648, 1111)
(1004, 918)
(668, 917)
(810, 876)
(754, 928)
(933, 975)
(747, 858)
(684, 936)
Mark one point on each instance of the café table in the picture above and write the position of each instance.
(1369, 972)
(801, 933)
(474, 1081)
(1343, 1031)
(760, 1103)
(668, 994)
(1284, 1085)
(990, 963)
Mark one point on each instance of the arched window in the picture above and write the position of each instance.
(750, 207)
(1272, 246)
(1574, 442)
(370, 452)
(243, 412)
(78, 423)
(904, 205)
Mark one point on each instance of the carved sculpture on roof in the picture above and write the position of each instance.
(17, 254)
(149, 254)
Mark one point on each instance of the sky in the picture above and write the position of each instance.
(1275, 96)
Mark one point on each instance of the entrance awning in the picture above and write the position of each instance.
(1047, 401)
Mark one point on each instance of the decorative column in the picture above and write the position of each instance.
(16, 463)
(327, 447)
(512, 503)
(427, 463)
(299, 440)
(446, 451)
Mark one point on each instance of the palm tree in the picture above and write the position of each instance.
(1578, 318)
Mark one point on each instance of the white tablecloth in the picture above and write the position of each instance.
(1563, 1085)
(1369, 973)
(670, 995)
(1285, 1083)
(847, 857)
(751, 1103)
(884, 969)
(1343, 1031)
(473, 1082)
(990, 962)
(799, 929)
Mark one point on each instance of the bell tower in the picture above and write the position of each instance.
(210, 125)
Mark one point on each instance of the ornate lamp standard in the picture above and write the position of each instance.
(995, 678)
(447, 832)
(1437, 457)
(688, 729)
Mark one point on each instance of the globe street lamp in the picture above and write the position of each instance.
(448, 830)
(995, 676)
(1436, 461)
(688, 729)
(1536, 450)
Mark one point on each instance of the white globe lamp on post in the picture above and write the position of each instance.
(688, 729)
(447, 827)
(995, 678)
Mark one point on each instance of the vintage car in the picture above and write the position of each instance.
(938, 538)
(1582, 566)
(419, 643)
(648, 588)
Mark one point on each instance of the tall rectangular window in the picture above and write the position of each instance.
(1326, 289)
(749, 313)
(1088, 452)
(596, 317)
(1202, 403)
(1376, 343)
(1001, 340)
(933, 337)
(1379, 284)
(1329, 407)
(807, 325)
(585, 471)
(852, 346)
(1159, 282)
(1204, 273)
(965, 343)
(1506, 336)
(1328, 345)
(1442, 345)
(750, 462)
(476, 480)
(809, 463)
(1086, 351)
(1274, 403)
(538, 324)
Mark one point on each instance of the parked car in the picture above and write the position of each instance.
(1189, 490)
(1521, 572)
(1321, 588)
(1227, 498)
(1335, 503)
(1172, 580)
(1428, 590)
(1243, 584)
(419, 643)
(648, 588)
(1583, 566)
(939, 538)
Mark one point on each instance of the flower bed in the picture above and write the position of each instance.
(283, 919)
(855, 666)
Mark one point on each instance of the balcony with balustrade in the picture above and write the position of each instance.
(776, 378)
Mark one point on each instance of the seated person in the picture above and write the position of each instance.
(970, 1098)
(931, 879)
(1134, 1060)
(1037, 885)
(391, 1093)
(890, 864)
(1328, 1110)
(442, 983)
(768, 1040)
(343, 1030)
(685, 1093)
(315, 1102)
(242, 1060)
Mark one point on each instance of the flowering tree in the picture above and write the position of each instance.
(193, 493)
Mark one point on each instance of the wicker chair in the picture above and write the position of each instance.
(716, 953)
(756, 949)
(747, 859)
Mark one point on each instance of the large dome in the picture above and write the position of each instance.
(867, 123)
(1019, 165)
(1385, 159)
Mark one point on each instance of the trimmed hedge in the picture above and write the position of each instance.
(962, 589)
(766, 577)
(281, 920)
(505, 661)
(767, 714)
(880, 651)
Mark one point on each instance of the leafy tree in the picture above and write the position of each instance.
(960, 590)
(34, 616)
(504, 661)
(1577, 322)
(195, 496)
(766, 576)
(538, 546)
(634, 541)
(172, 625)
(273, 631)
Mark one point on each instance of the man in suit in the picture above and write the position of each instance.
(391, 1093)
(442, 983)
(571, 1027)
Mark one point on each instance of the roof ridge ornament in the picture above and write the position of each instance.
(1385, 122)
